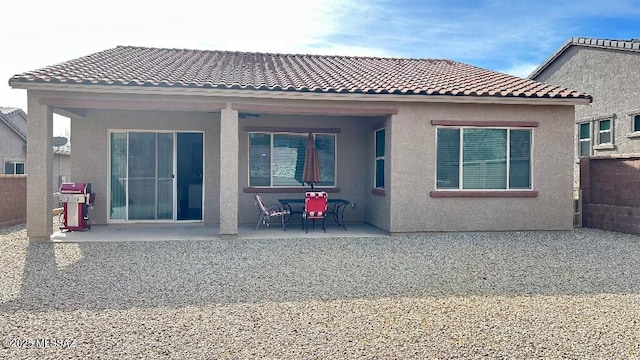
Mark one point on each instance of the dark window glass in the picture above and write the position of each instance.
(520, 159)
(8, 168)
(380, 135)
(448, 159)
(259, 159)
(282, 164)
(484, 157)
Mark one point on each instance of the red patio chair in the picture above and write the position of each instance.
(267, 213)
(315, 207)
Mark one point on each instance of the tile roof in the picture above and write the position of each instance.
(9, 110)
(7, 114)
(182, 68)
(632, 45)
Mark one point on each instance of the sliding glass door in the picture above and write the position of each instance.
(189, 179)
(143, 172)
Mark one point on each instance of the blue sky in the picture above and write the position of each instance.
(512, 36)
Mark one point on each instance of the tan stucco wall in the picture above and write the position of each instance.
(89, 157)
(414, 161)
(406, 205)
(40, 160)
(354, 154)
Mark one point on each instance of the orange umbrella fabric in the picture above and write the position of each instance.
(311, 173)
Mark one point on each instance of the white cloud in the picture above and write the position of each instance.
(487, 33)
(47, 33)
(521, 70)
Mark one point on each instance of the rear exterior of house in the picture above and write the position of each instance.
(192, 135)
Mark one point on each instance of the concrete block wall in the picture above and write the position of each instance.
(611, 193)
(13, 199)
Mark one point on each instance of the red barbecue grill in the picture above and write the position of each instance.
(76, 197)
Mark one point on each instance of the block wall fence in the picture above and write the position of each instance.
(13, 199)
(611, 193)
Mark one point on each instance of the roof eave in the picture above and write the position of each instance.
(298, 95)
(14, 128)
(581, 42)
(551, 59)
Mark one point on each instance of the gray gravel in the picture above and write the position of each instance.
(469, 295)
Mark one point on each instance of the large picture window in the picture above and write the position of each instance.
(483, 158)
(277, 159)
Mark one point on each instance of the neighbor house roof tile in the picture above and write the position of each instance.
(632, 45)
(7, 114)
(182, 68)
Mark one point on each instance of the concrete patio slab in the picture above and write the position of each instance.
(199, 231)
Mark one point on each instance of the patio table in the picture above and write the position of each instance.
(337, 209)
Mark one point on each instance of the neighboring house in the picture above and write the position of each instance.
(609, 70)
(13, 147)
(13, 140)
(61, 167)
(171, 135)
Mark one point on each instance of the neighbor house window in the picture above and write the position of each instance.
(604, 131)
(483, 158)
(584, 142)
(635, 123)
(14, 168)
(380, 155)
(277, 159)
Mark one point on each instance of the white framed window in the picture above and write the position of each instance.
(380, 136)
(473, 158)
(584, 139)
(16, 168)
(276, 159)
(635, 123)
(605, 133)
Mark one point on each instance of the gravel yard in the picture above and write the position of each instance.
(463, 295)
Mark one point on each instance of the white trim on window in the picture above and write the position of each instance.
(271, 153)
(507, 159)
(585, 140)
(604, 132)
(17, 167)
(634, 124)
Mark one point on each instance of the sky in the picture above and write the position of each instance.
(509, 36)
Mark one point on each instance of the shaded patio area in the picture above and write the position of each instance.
(199, 231)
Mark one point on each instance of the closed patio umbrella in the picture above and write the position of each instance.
(311, 173)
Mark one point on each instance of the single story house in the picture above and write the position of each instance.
(174, 135)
